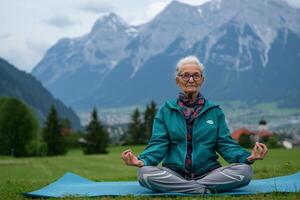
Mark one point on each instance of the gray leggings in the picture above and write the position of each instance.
(162, 179)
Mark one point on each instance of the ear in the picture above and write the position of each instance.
(177, 80)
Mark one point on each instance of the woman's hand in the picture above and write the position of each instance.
(259, 151)
(130, 159)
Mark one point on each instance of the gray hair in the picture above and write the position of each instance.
(186, 60)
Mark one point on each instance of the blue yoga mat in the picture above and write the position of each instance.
(73, 185)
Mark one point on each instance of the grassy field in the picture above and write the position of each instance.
(19, 175)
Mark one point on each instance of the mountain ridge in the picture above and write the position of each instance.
(23, 86)
(235, 39)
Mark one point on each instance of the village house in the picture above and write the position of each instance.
(262, 134)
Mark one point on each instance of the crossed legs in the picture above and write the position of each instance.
(222, 179)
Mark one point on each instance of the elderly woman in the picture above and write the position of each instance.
(187, 133)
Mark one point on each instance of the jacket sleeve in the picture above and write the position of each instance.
(227, 147)
(158, 145)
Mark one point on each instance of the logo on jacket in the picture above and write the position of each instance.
(210, 121)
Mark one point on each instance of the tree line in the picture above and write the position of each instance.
(20, 134)
(140, 128)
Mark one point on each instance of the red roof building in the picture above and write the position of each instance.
(257, 135)
(240, 131)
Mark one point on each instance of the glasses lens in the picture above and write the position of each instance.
(187, 76)
(196, 76)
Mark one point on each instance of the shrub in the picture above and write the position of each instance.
(18, 127)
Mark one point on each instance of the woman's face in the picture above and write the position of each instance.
(190, 78)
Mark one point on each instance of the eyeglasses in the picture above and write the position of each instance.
(187, 76)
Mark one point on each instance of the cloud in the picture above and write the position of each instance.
(194, 2)
(294, 3)
(155, 8)
(21, 58)
(37, 47)
(60, 21)
(4, 35)
(97, 7)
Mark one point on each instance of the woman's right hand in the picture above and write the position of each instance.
(130, 159)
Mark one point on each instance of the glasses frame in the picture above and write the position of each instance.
(191, 75)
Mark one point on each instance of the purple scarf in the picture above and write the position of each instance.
(190, 108)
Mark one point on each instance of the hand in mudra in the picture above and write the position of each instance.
(259, 151)
(130, 159)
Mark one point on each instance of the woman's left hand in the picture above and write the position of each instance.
(259, 151)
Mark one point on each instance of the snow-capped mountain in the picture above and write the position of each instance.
(251, 51)
(82, 62)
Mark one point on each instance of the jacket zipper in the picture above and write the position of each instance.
(192, 135)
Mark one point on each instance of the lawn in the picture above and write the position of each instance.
(19, 175)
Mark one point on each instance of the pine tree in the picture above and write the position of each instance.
(149, 118)
(56, 144)
(66, 126)
(96, 138)
(136, 132)
(66, 123)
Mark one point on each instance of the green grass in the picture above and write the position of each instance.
(19, 175)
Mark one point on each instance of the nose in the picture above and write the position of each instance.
(191, 77)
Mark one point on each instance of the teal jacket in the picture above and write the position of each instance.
(210, 135)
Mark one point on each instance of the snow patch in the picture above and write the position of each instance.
(113, 25)
(132, 31)
(200, 11)
(212, 40)
(267, 35)
(216, 5)
(113, 64)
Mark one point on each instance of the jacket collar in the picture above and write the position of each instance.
(172, 104)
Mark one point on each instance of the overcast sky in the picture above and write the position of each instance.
(29, 27)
